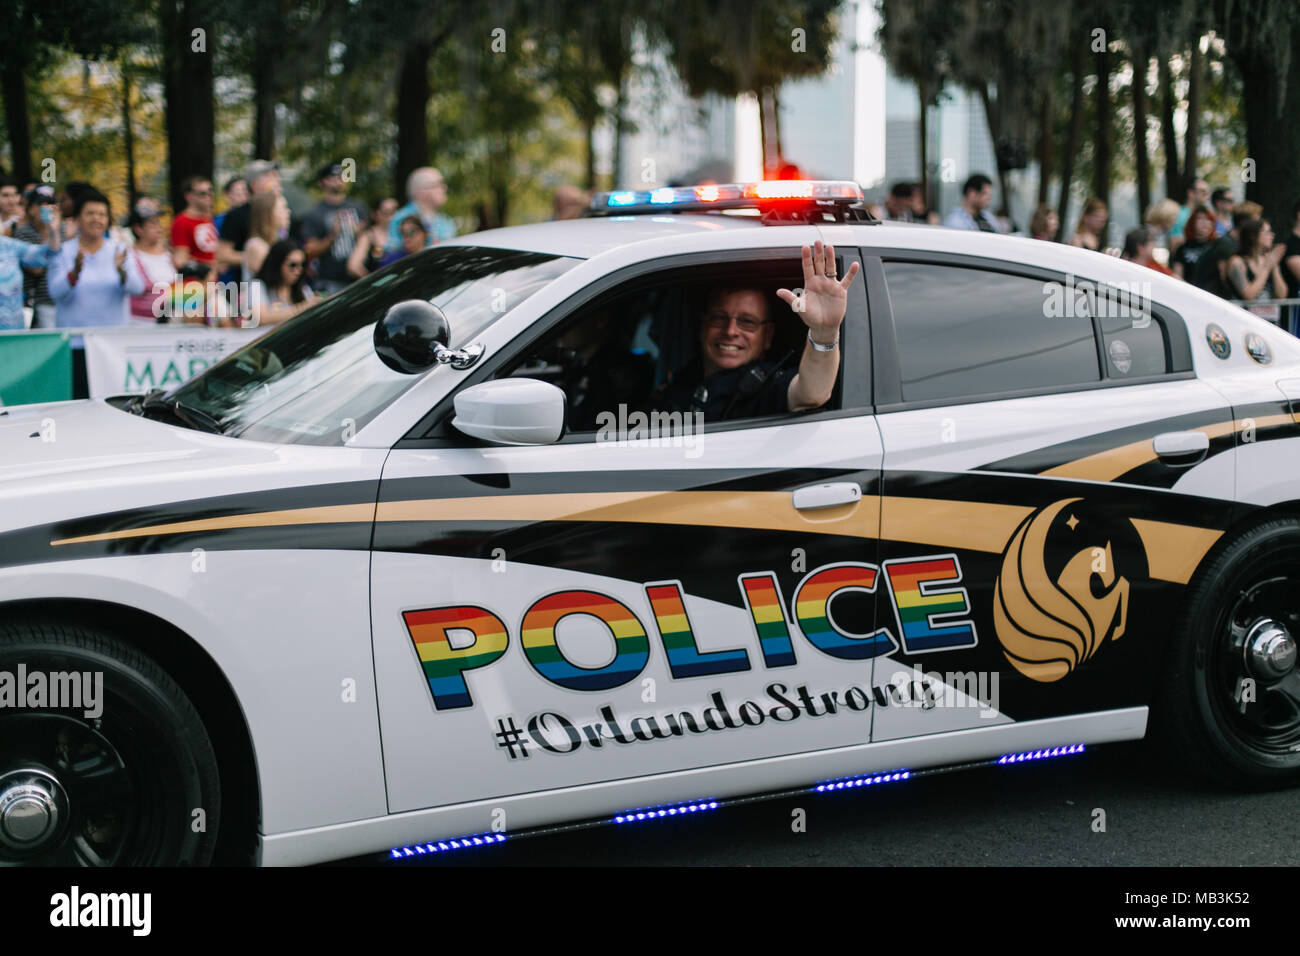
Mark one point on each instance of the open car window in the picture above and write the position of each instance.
(638, 348)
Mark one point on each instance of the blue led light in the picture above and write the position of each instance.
(1041, 754)
(466, 842)
(658, 813)
(863, 781)
(664, 194)
(625, 198)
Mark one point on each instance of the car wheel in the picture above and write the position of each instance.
(122, 775)
(1231, 701)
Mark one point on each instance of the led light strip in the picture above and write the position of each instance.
(442, 846)
(655, 813)
(1041, 754)
(850, 782)
(644, 814)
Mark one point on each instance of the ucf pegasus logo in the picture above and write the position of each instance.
(1060, 596)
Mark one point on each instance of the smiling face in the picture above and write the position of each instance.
(735, 330)
(93, 221)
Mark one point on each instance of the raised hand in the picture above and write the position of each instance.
(119, 259)
(822, 305)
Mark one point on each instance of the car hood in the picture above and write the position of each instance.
(89, 439)
(75, 459)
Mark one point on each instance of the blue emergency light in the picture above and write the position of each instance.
(778, 200)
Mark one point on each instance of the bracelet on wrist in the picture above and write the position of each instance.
(824, 348)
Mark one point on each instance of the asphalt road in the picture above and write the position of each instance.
(1040, 813)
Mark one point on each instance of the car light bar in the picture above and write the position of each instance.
(1041, 754)
(764, 195)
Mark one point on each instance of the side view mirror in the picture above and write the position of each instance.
(511, 411)
(412, 338)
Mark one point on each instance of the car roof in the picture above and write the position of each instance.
(586, 238)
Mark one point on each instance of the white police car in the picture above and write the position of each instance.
(413, 579)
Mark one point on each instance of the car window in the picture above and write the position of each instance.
(1134, 347)
(639, 349)
(317, 377)
(965, 332)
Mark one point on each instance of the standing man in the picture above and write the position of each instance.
(330, 229)
(194, 237)
(262, 175)
(1198, 194)
(898, 204)
(1223, 202)
(427, 192)
(973, 213)
(10, 206)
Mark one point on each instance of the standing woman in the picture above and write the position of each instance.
(93, 276)
(42, 225)
(1088, 234)
(369, 251)
(1198, 236)
(14, 255)
(1253, 272)
(268, 217)
(1044, 224)
(280, 291)
(154, 261)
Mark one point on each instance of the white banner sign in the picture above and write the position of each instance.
(131, 361)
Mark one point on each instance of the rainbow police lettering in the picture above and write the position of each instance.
(684, 657)
(444, 665)
(812, 603)
(631, 646)
(918, 603)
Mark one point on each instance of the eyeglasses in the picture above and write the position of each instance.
(746, 323)
(411, 233)
(201, 192)
(293, 264)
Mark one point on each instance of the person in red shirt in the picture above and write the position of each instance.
(1138, 247)
(194, 237)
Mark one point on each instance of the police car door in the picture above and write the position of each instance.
(590, 611)
(1050, 485)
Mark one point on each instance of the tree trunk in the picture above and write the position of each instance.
(1173, 188)
(1191, 145)
(1102, 145)
(128, 137)
(1044, 143)
(620, 126)
(925, 144)
(412, 113)
(13, 80)
(778, 148)
(589, 137)
(187, 87)
(264, 96)
(1272, 139)
(1140, 63)
(1078, 59)
(995, 135)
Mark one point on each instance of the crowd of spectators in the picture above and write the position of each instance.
(65, 264)
(1209, 240)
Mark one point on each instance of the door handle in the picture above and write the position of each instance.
(828, 495)
(1181, 448)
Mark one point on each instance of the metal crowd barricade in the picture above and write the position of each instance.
(1284, 313)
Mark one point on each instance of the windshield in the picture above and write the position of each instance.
(317, 380)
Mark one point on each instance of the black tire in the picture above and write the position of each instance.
(125, 786)
(1205, 712)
